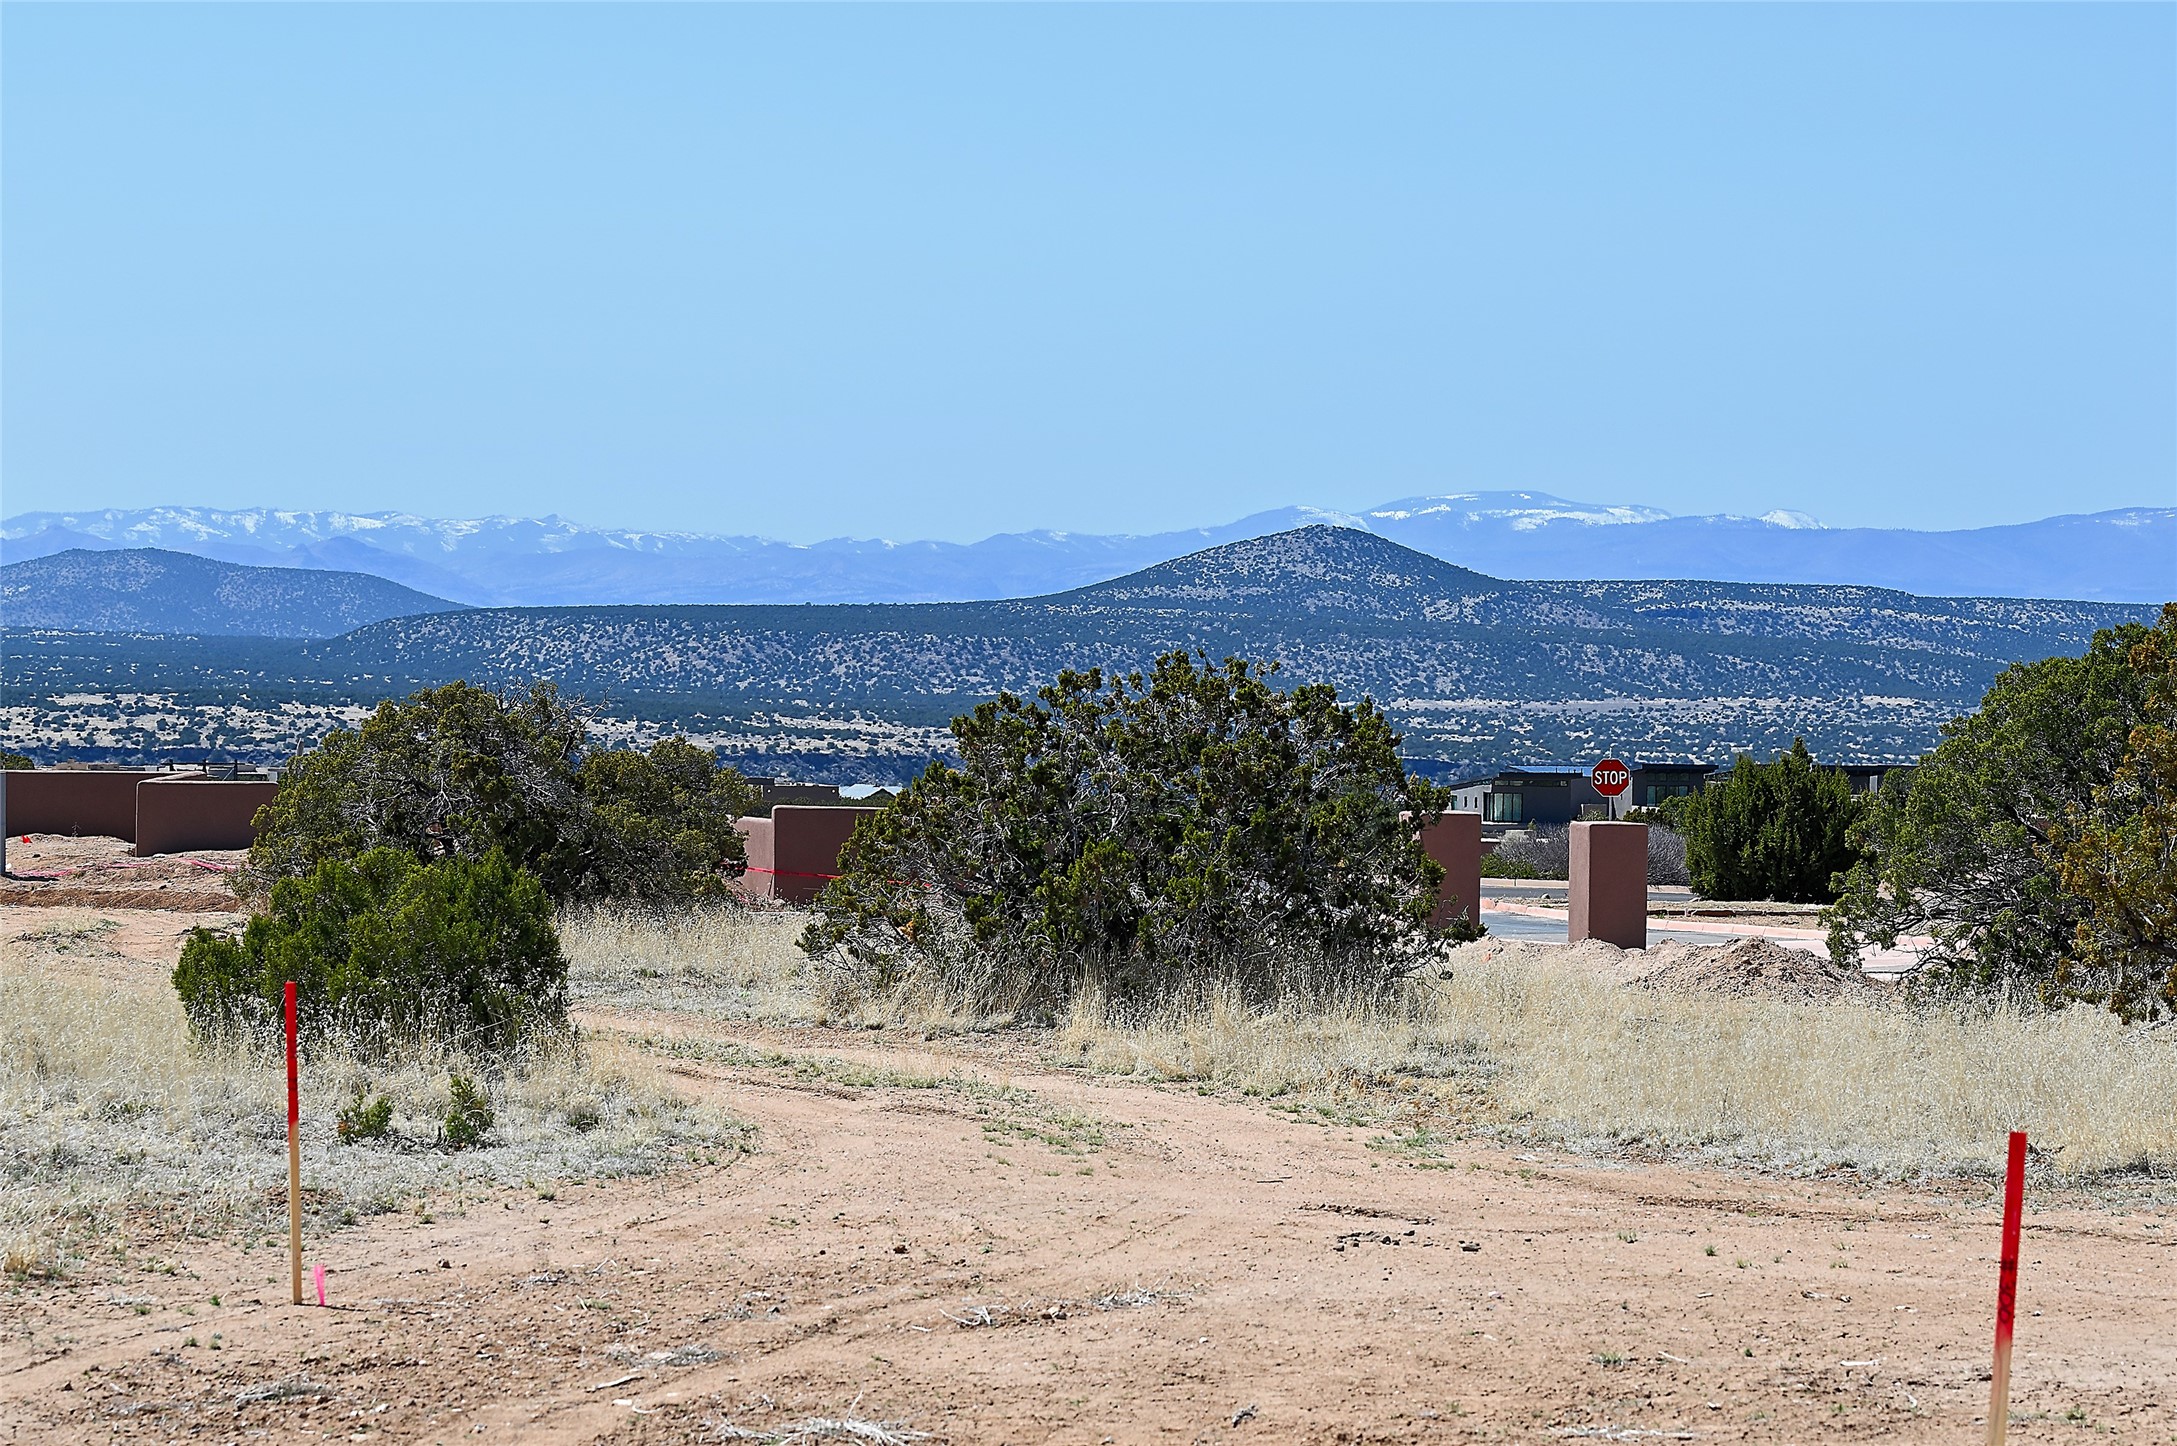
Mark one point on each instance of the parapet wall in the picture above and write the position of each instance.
(175, 814)
(795, 852)
(158, 811)
(75, 801)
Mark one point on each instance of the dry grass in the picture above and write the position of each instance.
(1566, 1052)
(722, 963)
(730, 963)
(108, 1115)
(1547, 1043)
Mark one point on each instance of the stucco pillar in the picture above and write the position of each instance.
(761, 880)
(806, 840)
(1610, 884)
(1455, 841)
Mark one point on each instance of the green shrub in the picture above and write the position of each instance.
(1495, 865)
(384, 949)
(363, 1118)
(11, 759)
(1669, 812)
(460, 771)
(1775, 830)
(469, 1114)
(1147, 836)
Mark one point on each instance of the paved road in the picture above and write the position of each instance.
(1529, 890)
(1552, 931)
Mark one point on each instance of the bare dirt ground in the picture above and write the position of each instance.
(1024, 1254)
(111, 943)
(61, 870)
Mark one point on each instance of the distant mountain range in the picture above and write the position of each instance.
(147, 590)
(2122, 556)
(1472, 669)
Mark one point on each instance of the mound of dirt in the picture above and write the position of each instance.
(1748, 967)
(1591, 954)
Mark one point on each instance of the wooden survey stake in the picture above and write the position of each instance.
(294, 1153)
(1999, 1379)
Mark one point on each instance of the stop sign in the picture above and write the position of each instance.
(1610, 777)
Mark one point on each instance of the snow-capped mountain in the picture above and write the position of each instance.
(2128, 555)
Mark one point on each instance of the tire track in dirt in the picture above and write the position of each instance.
(834, 1266)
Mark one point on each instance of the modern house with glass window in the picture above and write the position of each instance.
(1528, 794)
(1655, 779)
(1553, 793)
(1558, 793)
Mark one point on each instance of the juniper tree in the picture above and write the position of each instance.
(461, 771)
(2031, 843)
(1773, 830)
(1142, 834)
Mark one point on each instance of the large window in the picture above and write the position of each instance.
(1503, 807)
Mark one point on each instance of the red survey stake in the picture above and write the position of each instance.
(1999, 1379)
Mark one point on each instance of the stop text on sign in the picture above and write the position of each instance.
(1610, 777)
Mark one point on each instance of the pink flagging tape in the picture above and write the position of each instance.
(320, 1278)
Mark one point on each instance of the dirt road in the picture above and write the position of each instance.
(1031, 1256)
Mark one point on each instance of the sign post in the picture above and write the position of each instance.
(294, 1154)
(1999, 1379)
(1611, 778)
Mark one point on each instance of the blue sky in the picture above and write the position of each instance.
(949, 271)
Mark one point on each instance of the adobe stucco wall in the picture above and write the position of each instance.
(173, 814)
(795, 852)
(1609, 884)
(158, 811)
(761, 880)
(75, 801)
(1455, 841)
(805, 845)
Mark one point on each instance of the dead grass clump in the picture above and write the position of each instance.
(1296, 1046)
(109, 1115)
